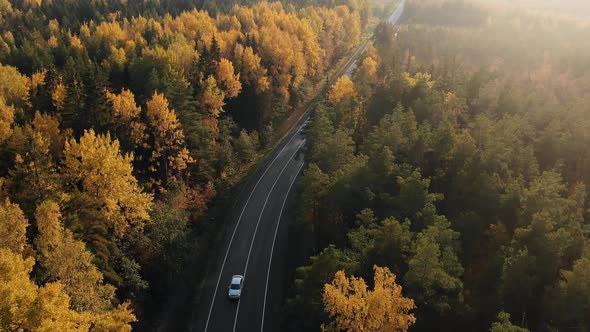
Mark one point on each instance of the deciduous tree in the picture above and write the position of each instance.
(13, 227)
(169, 156)
(67, 261)
(6, 120)
(95, 165)
(353, 307)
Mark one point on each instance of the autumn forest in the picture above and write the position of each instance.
(445, 184)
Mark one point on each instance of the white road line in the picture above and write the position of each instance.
(258, 223)
(273, 245)
(240, 218)
(238, 224)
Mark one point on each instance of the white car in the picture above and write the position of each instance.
(235, 287)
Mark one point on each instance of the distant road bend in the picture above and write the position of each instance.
(250, 248)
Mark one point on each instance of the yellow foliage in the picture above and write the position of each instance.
(34, 162)
(213, 97)
(13, 227)
(139, 24)
(52, 42)
(137, 129)
(110, 32)
(338, 30)
(117, 319)
(85, 31)
(353, 307)
(228, 23)
(194, 25)
(51, 311)
(246, 19)
(118, 57)
(288, 43)
(5, 8)
(49, 225)
(185, 54)
(352, 26)
(26, 307)
(285, 42)
(58, 96)
(369, 68)
(252, 71)
(95, 163)
(13, 86)
(6, 120)
(38, 79)
(230, 82)
(343, 88)
(168, 136)
(76, 43)
(47, 127)
(160, 116)
(53, 26)
(9, 38)
(412, 81)
(32, 3)
(81, 280)
(17, 292)
(227, 41)
(124, 106)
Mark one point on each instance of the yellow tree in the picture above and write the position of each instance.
(229, 81)
(124, 106)
(47, 126)
(212, 98)
(343, 88)
(17, 292)
(369, 67)
(38, 147)
(353, 307)
(169, 155)
(14, 86)
(13, 227)
(58, 96)
(51, 311)
(66, 260)
(6, 120)
(344, 98)
(118, 319)
(95, 165)
(26, 307)
(251, 69)
(126, 115)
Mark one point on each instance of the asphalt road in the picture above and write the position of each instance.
(392, 19)
(251, 247)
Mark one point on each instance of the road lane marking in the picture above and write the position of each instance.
(273, 244)
(258, 223)
(401, 8)
(238, 224)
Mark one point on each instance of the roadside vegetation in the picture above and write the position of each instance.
(121, 122)
(455, 162)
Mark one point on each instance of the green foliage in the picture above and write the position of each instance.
(434, 270)
(131, 117)
(474, 190)
(307, 303)
(503, 324)
(569, 298)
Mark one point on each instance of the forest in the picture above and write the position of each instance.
(121, 122)
(447, 186)
(446, 180)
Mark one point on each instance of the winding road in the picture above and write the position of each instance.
(251, 247)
